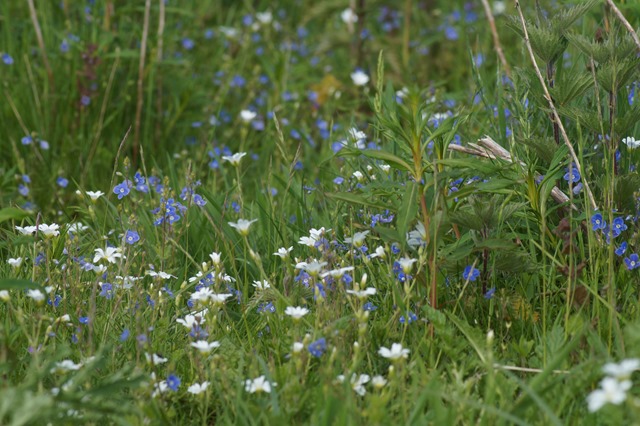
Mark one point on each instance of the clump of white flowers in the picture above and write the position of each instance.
(613, 388)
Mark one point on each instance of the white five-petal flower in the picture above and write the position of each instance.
(205, 347)
(296, 312)
(395, 353)
(242, 226)
(235, 158)
(259, 384)
(611, 391)
(110, 254)
(198, 388)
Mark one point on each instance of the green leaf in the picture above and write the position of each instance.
(18, 284)
(408, 209)
(13, 213)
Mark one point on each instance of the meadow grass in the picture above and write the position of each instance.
(218, 212)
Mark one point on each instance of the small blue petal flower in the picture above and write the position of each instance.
(598, 222)
(318, 347)
(173, 382)
(122, 189)
(632, 261)
(621, 249)
(470, 273)
(131, 237)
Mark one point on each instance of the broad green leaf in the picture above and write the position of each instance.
(408, 209)
(18, 284)
(13, 213)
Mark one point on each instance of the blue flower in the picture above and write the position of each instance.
(370, 307)
(618, 226)
(131, 237)
(27, 140)
(23, 190)
(83, 320)
(122, 190)
(489, 294)
(106, 290)
(598, 222)
(173, 382)
(572, 176)
(632, 262)
(470, 273)
(62, 182)
(318, 347)
(621, 249)
(199, 201)
(187, 43)
(124, 335)
(411, 317)
(7, 59)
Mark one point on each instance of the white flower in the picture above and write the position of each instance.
(242, 226)
(631, 142)
(110, 254)
(235, 158)
(197, 388)
(283, 253)
(219, 299)
(417, 237)
(101, 269)
(155, 359)
(307, 241)
(406, 264)
(264, 17)
(94, 195)
(36, 295)
(379, 253)
(357, 239)
(358, 175)
(378, 382)
(215, 258)
(261, 285)
(76, 228)
(247, 115)
(205, 347)
(296, 312)
(65, 365)
(4, 295)
(363, 294)
(395, 353)
(297, 347)
(191, 320)
(357, 382)
(312, 268)
(612, 391)
(316, 234)
(162, 275)
(49, 230)
(498, 7)
(359, 78)
(348, 17)
(15, 262)
(385, 168)
(27, 230)
(337, 273)
(623, 370)
(259, 384)
(160, 387)
(202, 295)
